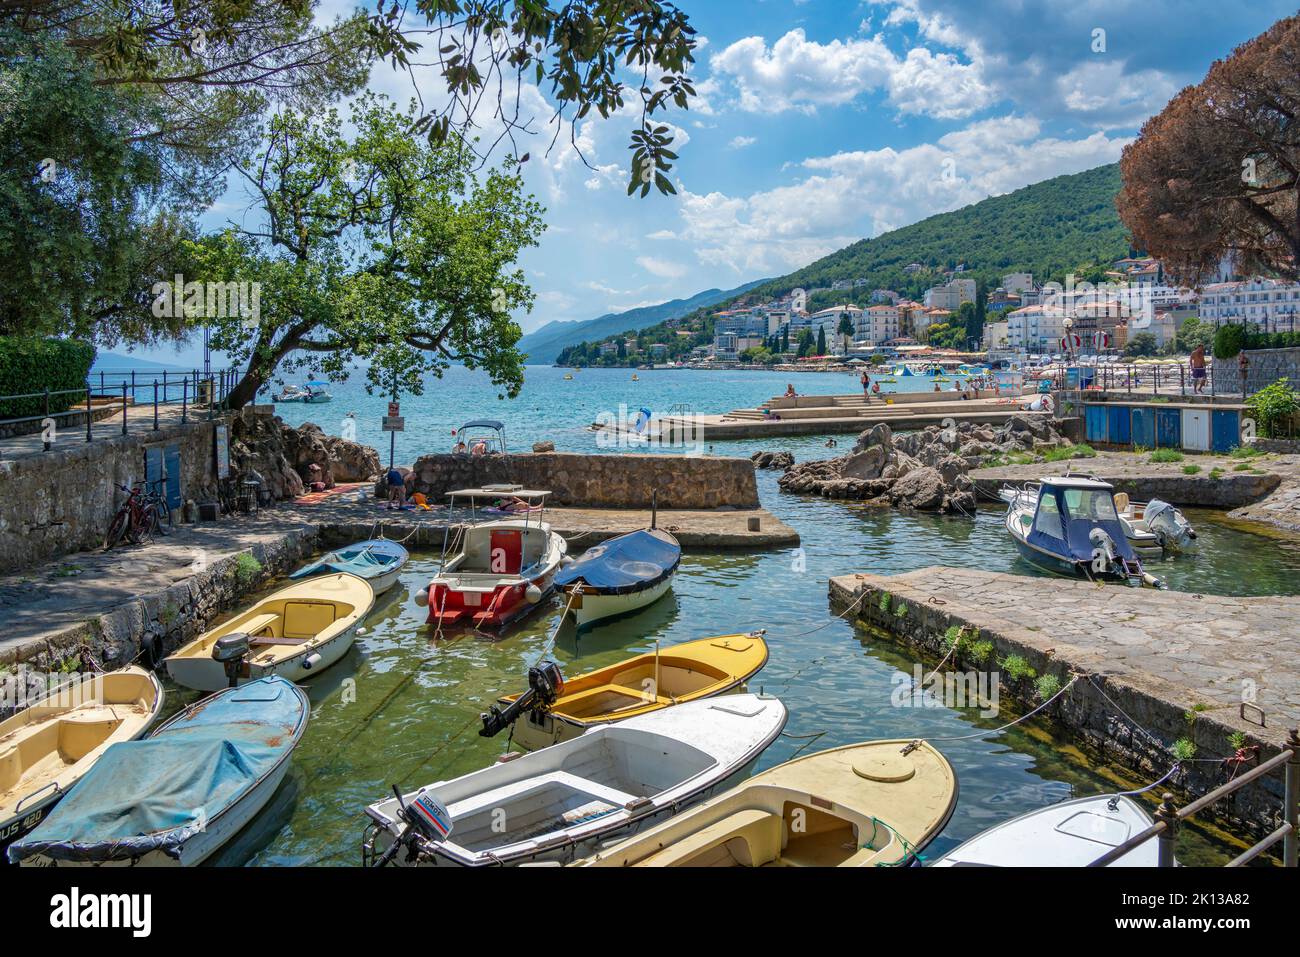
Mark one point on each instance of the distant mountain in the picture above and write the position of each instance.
(1067, 224)
(116, 362)
(544, 344)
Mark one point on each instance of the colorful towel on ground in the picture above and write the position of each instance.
(312, 498)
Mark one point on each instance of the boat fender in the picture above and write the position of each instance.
(533, 594)
(422, 597)
(312, 661)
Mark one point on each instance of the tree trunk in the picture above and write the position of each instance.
(245, 391)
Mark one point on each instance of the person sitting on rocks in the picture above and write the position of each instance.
(789, 391)
(315, 478)
(460, 448)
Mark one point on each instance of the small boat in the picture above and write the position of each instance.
(377, 560)
(568, 376)
(52, 743)
(316, 392)
(559, 803)
(494, 572)
(1070, 834)
(1070, 526)
(635, 377)
(862, 805)
(619, 576)
(557, 710)
(181, 793)
(294, 633)
(290, 393)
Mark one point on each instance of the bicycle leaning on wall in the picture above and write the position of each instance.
(139, 517)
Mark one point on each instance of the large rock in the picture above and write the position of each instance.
(879, 434)
(772, 460)
(282, 456)
(867, 464)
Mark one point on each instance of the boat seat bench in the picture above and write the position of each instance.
(760, 834)
(638, 698)
(257, 623)
(500, 797)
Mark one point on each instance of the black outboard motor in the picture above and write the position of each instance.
(231, 650)
(545, 684)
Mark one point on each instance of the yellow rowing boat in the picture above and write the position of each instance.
(862, 805)
(648, 682)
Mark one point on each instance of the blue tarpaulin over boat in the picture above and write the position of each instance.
(157, 793)
(627, 563)
(368, 559)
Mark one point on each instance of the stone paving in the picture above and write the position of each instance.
(139, 419)
(1199, 653)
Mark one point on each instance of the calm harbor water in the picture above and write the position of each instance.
(403, 709)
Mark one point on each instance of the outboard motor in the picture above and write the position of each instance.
(1104, 552)
(545, 684)
(231, 650)
(1171, 528)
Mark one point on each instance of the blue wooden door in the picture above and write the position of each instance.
(1225, 430)
(1118, 425)
(1169, 428)
(1095, 423)
(153, 467)
(172, 461)
(1144, 427)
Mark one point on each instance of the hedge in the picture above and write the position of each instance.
(1230, 340)
(32, 365)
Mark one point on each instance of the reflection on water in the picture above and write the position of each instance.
(402, 709)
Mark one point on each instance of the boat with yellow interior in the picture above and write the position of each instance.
(862, 805)
(294, 632)
(635, 686)
(50, 745)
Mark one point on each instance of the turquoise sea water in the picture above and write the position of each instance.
(402, 708)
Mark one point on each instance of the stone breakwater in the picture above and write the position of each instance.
(925, 470)
(1178, 665)
(597, 481)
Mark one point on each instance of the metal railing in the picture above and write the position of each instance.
(107, 397)
(1169, 818)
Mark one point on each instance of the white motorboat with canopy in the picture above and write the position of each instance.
(495, 571)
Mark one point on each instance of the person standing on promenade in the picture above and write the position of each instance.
(1198, 369)
(1243, 366)
(866, 386)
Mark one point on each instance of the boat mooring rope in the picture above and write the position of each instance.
(917, 742)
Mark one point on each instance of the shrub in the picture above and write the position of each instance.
(1165, 455)
(247, 568)
(1273, 406)
(1017, 667)
(1183, 749)
(30, 365)
(1191, 469)
(1063, 453)
(1244, 452)
(1229, 340)
(1047, 686)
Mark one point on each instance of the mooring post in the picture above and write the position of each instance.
(1291, 843)
(1169, 836)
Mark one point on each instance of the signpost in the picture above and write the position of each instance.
(393, 423)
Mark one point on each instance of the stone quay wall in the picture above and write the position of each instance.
(58, 502)
(1266, 367)
(597, 481)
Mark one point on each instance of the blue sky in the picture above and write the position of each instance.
(820, 122)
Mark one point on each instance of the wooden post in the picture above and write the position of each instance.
(1291, 843)
(1169, 836)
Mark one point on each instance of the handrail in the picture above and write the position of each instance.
(1168, 818)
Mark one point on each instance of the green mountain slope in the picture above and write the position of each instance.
(1061, 225)
(544, 344)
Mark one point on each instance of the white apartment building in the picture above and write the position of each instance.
(996, 336)
(877, 325)
(950, 295)
(1269, 305)
(885, 295)
(1018, 282)
(1035, 329)
(829, 320)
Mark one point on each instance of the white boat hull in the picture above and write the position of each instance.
(205, 674)
(597, 606)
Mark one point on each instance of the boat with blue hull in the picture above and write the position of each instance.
(377, 560)
(1070, 526)
(620, 576)
(180, 794)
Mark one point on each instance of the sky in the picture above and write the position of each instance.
(821, 122)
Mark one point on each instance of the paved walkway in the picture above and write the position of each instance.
(139, 420)
(1203, 654)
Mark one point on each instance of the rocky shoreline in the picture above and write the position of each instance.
(924, 470)
(282, 456)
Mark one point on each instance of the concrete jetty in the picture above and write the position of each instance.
(829, 414)
(1155, 667)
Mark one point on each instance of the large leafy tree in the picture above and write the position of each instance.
(1218, 170)
(380, 248)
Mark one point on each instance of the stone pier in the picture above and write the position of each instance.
(1182, 667)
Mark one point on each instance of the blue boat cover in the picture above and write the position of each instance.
(368, 559)
(627, 563)
(157, 793)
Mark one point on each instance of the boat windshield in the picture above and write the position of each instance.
(1048, 519)
(1089, 504)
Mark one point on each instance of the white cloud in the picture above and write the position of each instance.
(848, 195)
(796, 73)
(740, 142)
(663, 268)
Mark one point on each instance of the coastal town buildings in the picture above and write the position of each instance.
(950, 295)
(1267, 304)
